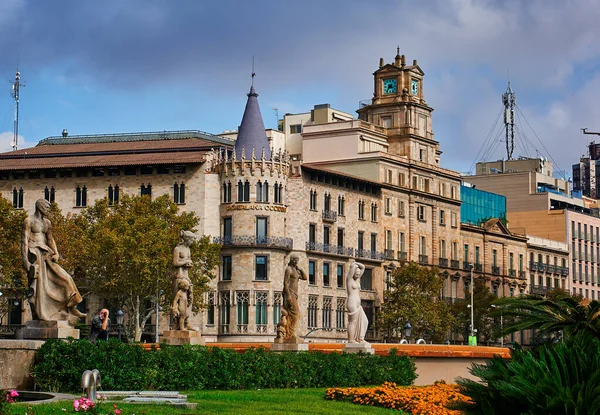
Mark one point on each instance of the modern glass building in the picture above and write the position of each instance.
(479, 206)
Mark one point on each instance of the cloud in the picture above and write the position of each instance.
(6, 142)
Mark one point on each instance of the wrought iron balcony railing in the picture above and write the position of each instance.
(478, 267)
(264, 241)
(512, 273)
(455, 263)
(363, 253)
(540, 289)
(522, 275)
(466, 266)
(332, 249)
(443, 262)
(495, 270)
(389, 254)
(402, 256)
(423, 259)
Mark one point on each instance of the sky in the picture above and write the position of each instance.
(151, 65)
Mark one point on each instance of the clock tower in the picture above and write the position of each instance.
(399, 106)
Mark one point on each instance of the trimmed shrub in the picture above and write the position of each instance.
(554, 379)
(122, 366)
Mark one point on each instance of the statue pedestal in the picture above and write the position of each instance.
(358, 348)
(181, 337)
(56, 329)
(289, 345)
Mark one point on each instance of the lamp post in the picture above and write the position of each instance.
(501, 325)
(119, 314)
(472, 308)
(407, 330)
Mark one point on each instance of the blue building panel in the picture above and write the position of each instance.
(479, 206)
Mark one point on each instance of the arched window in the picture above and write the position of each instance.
(240, 191)
(276, 193)
(182, 193)
(116, 194)
(52, 194)
(281, 193)
(247, 191)
(224, 192)
(176, 193)
(18, 198)
(229, 192)
(111, 195)
(266, 192)
(78, 196)
(259, 191)
(47, 194)
(146, 190)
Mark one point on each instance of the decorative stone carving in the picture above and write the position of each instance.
(53, 295)
(290, 313)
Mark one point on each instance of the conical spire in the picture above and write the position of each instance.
(251, 133)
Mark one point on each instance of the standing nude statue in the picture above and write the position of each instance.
(53, 294)
(182, 260)
(357, 319)
(290, 313)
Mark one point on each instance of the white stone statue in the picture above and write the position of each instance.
(182, 260)
(357, 319)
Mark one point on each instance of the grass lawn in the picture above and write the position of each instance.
(263, 402)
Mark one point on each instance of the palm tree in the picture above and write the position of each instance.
(549, 316)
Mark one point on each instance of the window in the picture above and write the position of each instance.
(262, 191)
(312, 235)
(341, 202)
(340, 314)
(227, 230)
(261, 311)
(453, 219)
(242, 300)
(373, 242)
(210, 310)
(49, 194)
(100, 172)
(247, 191)
(388, 206)
(128, 171)
(326, 238)
(143, 170)
(240, 187)
(326, 266)
(227, 268)
(227, 192)
(422, 153)
(520, 262)
(401, 179)
(327, 201)
(159, 170)
(225, 311)
(373, 212)
(327, 311)
(388, 240)
(386, 122)
(261, 230)
(277, 193)
(361, 235)
(443, 249)
(422, 246)
(312, 311)
(18, 198)
(311, 273)
(401, 242)
(454, 193)
(443, 189)
(295, 129)
(455, 251)
(340, 276)
(179, 193)
(146, 190)
(466, 254)
(477, 255)
(421, 213)
(511, 261)
(340, 237)
(401, 209)
(113, 195)
(361, 209)
(442, 218)
(277, 301)
(260, 269)
(313, 200)
(366, 281)
(81, 196)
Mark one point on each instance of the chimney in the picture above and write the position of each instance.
(381, 62)
(414, 62)
(65, 133)
(403, 59)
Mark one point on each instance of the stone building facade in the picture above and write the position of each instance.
(369, 189)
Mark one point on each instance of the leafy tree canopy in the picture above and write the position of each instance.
(482, 307)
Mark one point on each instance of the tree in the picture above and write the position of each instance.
(563, 313)
(129, 253)
(414, 296)
(13, 280)
(482, 307)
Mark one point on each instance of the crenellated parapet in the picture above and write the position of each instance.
(227, 165)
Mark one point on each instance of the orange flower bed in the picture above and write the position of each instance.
(436, 399)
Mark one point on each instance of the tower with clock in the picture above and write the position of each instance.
(398, 104)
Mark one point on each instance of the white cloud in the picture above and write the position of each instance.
(6, 142)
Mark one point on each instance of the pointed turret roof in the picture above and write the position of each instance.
(251, 133)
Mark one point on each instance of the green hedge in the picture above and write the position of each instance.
(128, 367)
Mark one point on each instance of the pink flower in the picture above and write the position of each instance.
(13, 393)
(117, 411)
(76, 405)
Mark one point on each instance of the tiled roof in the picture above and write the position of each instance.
(251, 134)
(114, 150)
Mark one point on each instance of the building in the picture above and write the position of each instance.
(586, 173)
(338, 189)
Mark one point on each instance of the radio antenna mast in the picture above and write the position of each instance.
(509, 100)
(16, 88)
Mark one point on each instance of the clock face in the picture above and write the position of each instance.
(414, 87)
(390, 86)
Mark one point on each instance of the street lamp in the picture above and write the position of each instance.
(501, 325)
(407, 330)
(472, 308)
(119, 314)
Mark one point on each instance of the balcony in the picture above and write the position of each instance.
(512, 273)
(423, 259)
(541, 267)
(564, 271)
(495, 270)
(329, 216)
(389, 254)
(522, 275)
(479, 267)
(466, 266)
(551, 268)
(329, 249)
(402, 256)
(540, 289)
(455, 263)
(363, 253)
(262, 241)
(443, 262)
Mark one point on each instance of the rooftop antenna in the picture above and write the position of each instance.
(509, 99)
(16, 86)
(253, 73)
